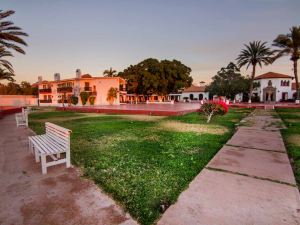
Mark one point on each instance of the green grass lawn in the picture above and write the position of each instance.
(142, 163)
(291, 136)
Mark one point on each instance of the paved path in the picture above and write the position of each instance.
(60, 197)
(248, 182)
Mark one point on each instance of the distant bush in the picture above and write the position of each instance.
(212, 108)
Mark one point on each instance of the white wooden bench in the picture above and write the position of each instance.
(22, 118)
(55, 141)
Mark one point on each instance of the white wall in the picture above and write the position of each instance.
(276, 82)
(18, 100)
(196, 95)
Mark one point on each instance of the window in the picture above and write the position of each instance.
(191, 96)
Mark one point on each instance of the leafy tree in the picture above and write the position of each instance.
(11, 35)
(228, 82)
(289, 45)
(254, 53)
(110, 73)
(26, 88)
(213, 108)
(159, 77)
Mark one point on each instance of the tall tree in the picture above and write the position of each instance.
(228, 82)
(254, 53)
(11, 35)
(3, 62)
(110, 73)
(289, 45)
(152, 76)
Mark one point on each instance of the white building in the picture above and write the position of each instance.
(274, 87)
(195, 93)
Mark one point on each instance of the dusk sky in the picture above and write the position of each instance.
(95, 35)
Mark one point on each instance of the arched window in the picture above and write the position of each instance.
(288, 83)
(200, 97)
(191, 96)
(282, 83)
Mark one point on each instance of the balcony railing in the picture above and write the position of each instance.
(64, 89)
(45, 90)
(60, 101)
(46, 101)
(87, 88)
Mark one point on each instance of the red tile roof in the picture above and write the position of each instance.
(294, 86)
(272, 75)
(194, 88)
(86, 76)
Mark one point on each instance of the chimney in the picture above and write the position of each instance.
(56, 77)
(78, 73)
(40, 79)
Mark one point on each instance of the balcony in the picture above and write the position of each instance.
(61, 101)
(64, 89)
(46, 101)
(45, 90)
(87, 88)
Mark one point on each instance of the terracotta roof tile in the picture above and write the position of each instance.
(272, 75)
(194, 88)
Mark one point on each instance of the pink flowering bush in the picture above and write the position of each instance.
(212, 108)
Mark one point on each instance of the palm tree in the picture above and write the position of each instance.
(3, 62)
(289, 45)
(254, 53)
(110, 73)
(6, 75)
(10, 34)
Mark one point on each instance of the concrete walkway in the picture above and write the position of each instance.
(60, 197)
(248, 182)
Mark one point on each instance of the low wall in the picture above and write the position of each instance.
(18, 100)
(6, 110)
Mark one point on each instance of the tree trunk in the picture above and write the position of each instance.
(297, 82)
(209, 117)
(251, 82)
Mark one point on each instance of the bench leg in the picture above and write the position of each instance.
(43, 162)
(68, 159)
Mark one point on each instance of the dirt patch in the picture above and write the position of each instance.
(198, 128)
(294, 139)
(142, 117)
(49, 181)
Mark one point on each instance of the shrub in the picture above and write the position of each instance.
(84, 97)
(212, 108)
(92, 100)
(74, 100)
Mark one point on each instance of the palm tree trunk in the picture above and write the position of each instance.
(297, 82)
(251, 83)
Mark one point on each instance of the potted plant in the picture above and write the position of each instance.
(112, 94)
(84, 97)
(92, 100)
